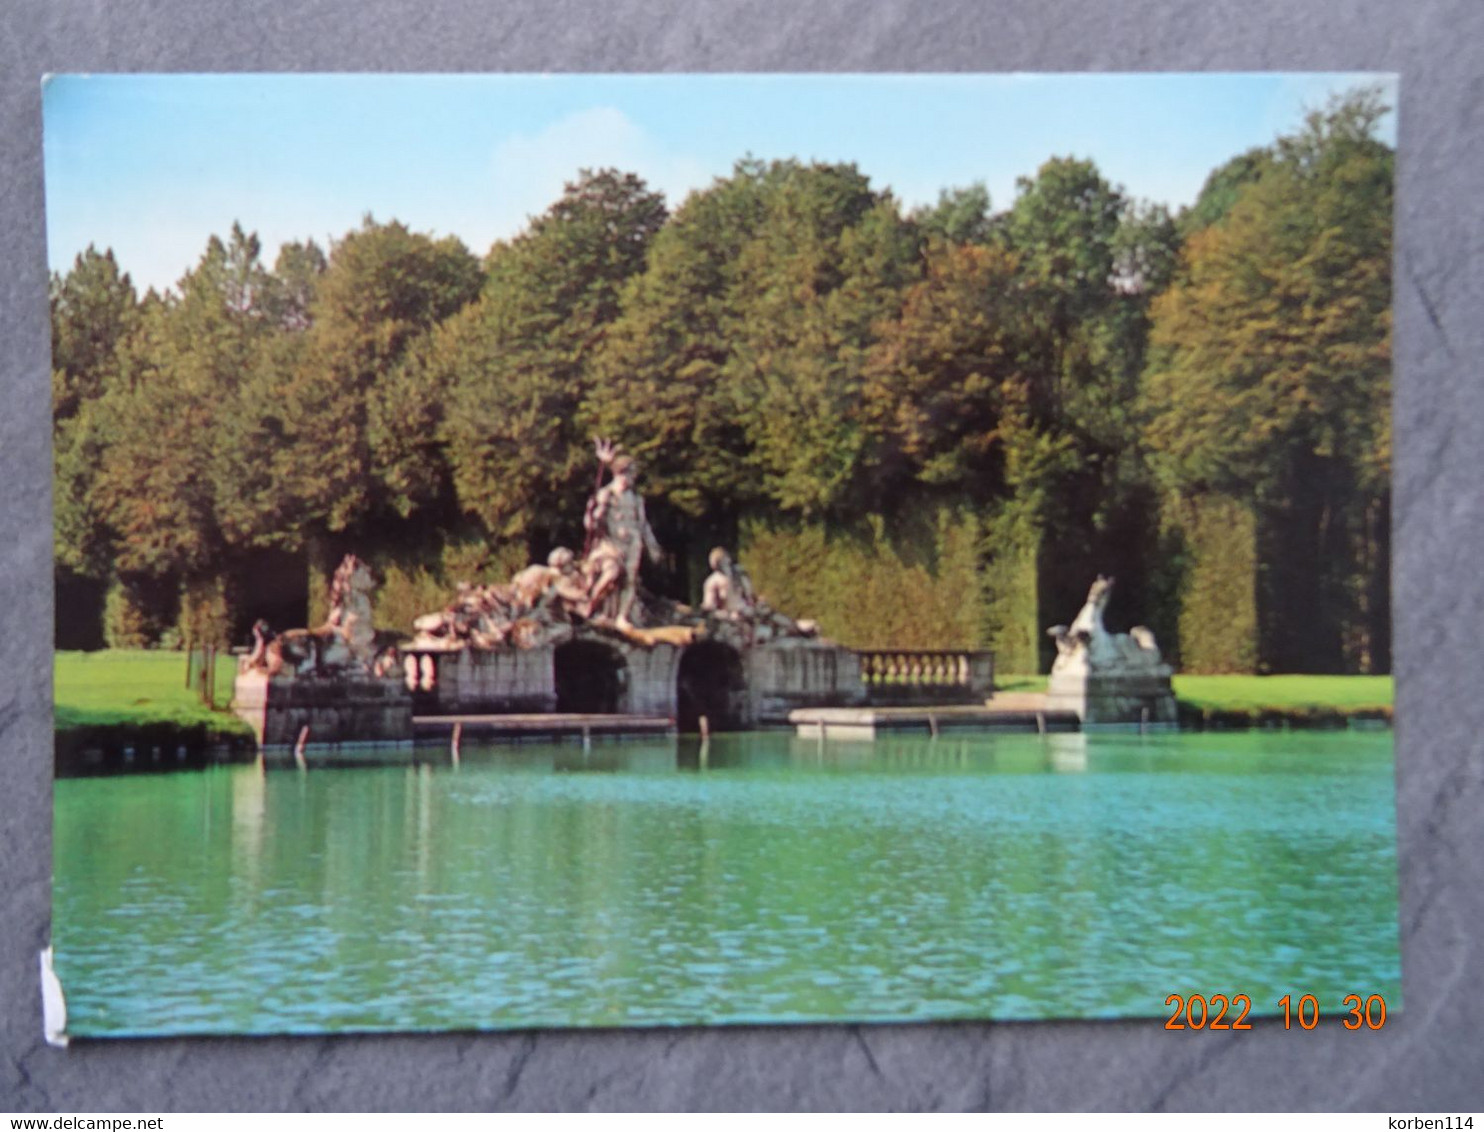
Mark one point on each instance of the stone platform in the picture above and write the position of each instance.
(868, 722)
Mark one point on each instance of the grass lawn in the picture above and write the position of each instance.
(1253, 693)
(1237, 693)
(124, 687)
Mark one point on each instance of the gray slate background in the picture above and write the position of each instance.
(1430, 1056)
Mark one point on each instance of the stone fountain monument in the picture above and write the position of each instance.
(1108, 677)
(582, 634)
(575, 635)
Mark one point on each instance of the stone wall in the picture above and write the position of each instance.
(649, 687)
(794, 674)
(495, 682)
(344, 709)
(776, 678)
(779, 677)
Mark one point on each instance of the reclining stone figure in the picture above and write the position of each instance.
(729, 596)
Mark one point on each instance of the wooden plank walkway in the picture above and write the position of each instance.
(554, 725)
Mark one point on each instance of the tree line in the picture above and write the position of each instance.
(965, 412)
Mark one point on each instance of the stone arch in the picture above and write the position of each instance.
(590, 677)
(710, 682)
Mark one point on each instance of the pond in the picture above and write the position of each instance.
(764, 878)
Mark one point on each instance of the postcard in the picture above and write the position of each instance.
(621, 550)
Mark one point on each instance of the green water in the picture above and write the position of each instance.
(780, 880)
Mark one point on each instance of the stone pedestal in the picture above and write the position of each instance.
(347, 708)
(1114, 697)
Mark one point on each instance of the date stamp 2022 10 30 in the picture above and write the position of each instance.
(1202, 1012)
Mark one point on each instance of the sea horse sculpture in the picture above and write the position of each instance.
(1087, 644)
(346, 640)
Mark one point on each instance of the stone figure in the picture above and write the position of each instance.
(547, 604)
(619, 535)
(537, 606)
(1108, 677)
(728, 591)
(347, 639)
(1086, 644)
(557, 584)
(729, 596)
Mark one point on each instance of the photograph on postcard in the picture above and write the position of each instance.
(616, 550)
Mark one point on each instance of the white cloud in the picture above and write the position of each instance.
(530, 170)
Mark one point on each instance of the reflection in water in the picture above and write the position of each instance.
(1067, 751)
(746, 877)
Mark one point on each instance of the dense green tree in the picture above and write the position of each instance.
(155, 434)
(961, 216)
(181, 366)
(1063, 227)
(830, 260)
(1222, 188)
(518, 367)
(314, 447)
(659, 382)
(936, 378)
(93, 308)
(1090, 262)
(296, 276)
(1270, 382)
(1276, 344)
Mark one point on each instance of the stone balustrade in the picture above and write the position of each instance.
(927, 675)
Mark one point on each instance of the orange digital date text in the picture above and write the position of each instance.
(1202, 1012)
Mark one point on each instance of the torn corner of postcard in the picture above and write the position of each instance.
(53, 1003)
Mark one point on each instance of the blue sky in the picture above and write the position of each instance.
(152, 165)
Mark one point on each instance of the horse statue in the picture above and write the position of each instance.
(347, 639)
(1087, 644)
